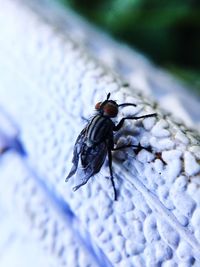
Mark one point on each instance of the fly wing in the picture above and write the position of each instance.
(77, 150)
(93, 158)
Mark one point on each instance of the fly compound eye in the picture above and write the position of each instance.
(98, 105)
(110, 109)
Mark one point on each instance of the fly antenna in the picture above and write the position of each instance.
(127, 104)
(108, 96)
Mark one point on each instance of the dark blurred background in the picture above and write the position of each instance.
(168, 32)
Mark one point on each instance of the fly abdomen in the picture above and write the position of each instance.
(98, 129)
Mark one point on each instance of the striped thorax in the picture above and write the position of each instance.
(98, 129)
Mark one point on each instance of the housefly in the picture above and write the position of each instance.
(96, 141)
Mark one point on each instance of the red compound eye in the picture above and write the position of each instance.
(110, 109)
(98, 105)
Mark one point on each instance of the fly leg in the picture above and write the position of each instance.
(127, 146)
(120, 124)
(135, 146)
(84, 119)
(111, 172)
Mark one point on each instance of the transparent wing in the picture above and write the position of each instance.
(92, 160)
(77, 150)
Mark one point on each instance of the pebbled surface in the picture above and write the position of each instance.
(156, 220)
(47, 217)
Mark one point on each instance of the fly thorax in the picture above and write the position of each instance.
(98, 130)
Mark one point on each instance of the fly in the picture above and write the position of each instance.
(96, 141)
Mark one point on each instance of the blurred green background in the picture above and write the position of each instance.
(168, 32)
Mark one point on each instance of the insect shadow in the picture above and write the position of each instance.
(96, 141)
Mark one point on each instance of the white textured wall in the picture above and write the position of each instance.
(51, 75)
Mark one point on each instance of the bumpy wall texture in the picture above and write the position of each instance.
(52, 74)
